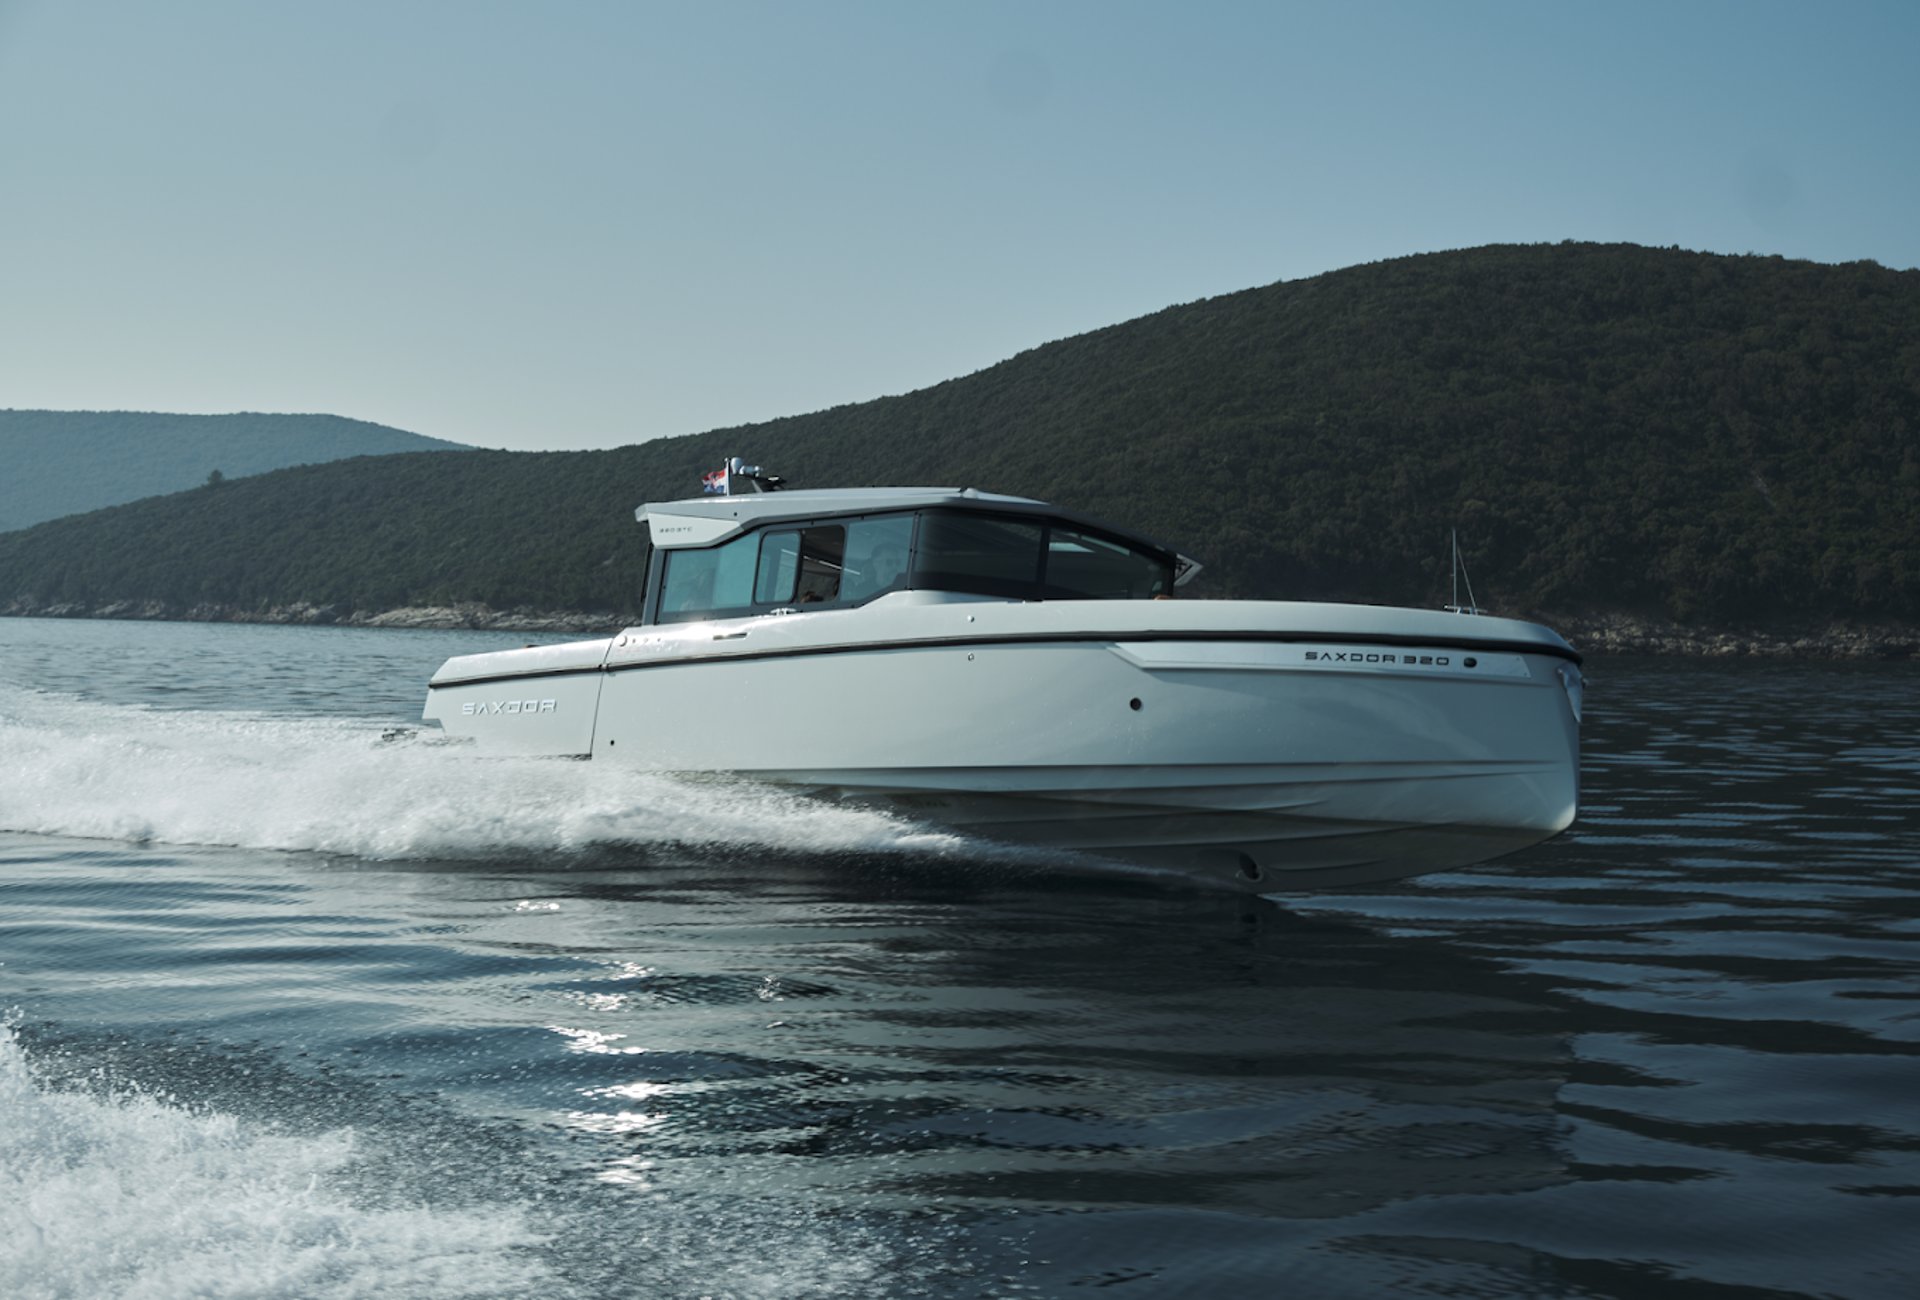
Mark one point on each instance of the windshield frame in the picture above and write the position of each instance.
(914, 575)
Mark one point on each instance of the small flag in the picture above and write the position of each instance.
(714, 482)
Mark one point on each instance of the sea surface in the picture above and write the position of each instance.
(301, 1002)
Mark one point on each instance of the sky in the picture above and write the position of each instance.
(571, 224)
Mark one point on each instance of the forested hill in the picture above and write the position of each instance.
(55, 463)
(1611, 428)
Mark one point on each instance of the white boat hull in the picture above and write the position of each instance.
(1215, 742)
(1276, 828)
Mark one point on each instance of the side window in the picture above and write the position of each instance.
(876, 556)
(705, 583)
(822, 551)
(978, 553)
(1081, 566)
(800, 566)
(779, 569)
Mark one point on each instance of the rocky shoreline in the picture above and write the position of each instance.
(469, 617)
(1626, 634)
(1598, 634)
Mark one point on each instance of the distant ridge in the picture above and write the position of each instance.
(1701, 440)
(55, 463)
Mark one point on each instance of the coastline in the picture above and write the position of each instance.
(1632, 634)
(1597, 634)
(458, 617)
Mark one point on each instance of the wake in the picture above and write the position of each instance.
(134, 1195)
(82, 768)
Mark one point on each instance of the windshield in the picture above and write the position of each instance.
(790, 567)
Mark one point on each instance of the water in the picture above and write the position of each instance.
(302, 1003)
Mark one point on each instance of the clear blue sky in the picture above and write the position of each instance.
(586, 224)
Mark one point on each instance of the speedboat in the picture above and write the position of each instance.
(1026, 674)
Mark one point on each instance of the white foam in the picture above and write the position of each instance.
(83, 768)
(130, 1197)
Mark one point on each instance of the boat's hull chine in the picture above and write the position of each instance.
(1258, 829)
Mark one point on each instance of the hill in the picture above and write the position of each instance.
(1613, 430)
(55, 463)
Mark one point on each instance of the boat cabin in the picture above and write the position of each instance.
(785, 552)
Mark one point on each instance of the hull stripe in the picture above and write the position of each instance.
(1037, 638)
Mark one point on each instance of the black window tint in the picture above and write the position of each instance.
(876, 556)
(821, 553)
(977, 553)
(1081, 566)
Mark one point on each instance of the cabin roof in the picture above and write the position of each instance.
(751, 508)
(706, 520)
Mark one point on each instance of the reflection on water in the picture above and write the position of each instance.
(941, 1068)
(1673, 1053)
(1064, 1051)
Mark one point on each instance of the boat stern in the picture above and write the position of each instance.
(540, 700)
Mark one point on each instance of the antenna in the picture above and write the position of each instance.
(1460, 571)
